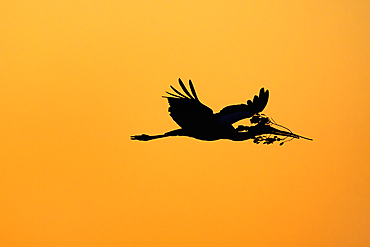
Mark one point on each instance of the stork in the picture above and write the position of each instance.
(199, 121)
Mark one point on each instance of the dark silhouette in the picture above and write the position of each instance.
(198, 121)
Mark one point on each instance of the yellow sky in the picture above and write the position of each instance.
(78, 78)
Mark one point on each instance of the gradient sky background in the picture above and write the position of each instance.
(78, 78)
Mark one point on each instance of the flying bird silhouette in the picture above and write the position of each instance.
(198, 120)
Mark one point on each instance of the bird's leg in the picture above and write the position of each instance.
(145, 137)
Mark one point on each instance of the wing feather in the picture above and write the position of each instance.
(174, 89)
(184, 89)
(174, 95)
(193, 90)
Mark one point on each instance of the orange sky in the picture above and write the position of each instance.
(78, 78)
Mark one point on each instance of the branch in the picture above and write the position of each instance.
(258, 133)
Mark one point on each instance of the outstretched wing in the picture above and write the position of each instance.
(234, 113)
(186, 109)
